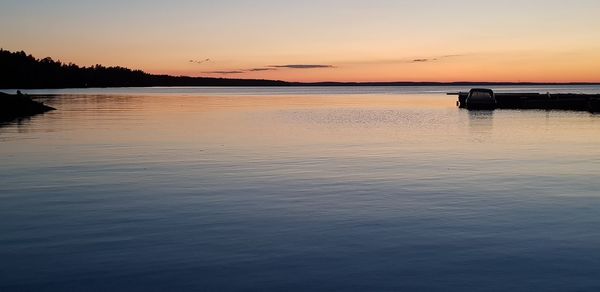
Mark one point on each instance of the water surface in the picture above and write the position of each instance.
(227, 189)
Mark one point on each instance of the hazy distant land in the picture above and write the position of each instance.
(24, 71)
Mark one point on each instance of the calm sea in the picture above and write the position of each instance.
(298, 189)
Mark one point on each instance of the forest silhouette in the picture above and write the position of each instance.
(20, 70)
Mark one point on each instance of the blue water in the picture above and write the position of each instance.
(292, 189)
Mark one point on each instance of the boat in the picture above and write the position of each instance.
(487, 99)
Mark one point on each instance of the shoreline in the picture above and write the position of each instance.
(327, 84)
(16, 107)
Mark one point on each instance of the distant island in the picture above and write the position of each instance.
(19, 70)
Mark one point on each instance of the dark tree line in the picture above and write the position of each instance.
(20, 70)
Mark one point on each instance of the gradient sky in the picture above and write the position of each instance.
(349, 40)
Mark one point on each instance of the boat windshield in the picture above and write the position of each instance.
(481, 94)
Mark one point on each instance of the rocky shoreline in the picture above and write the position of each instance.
(14, 107)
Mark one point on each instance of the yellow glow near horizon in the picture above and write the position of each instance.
(383, 40)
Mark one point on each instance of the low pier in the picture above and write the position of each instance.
(544, 101)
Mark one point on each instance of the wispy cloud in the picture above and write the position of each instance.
(423, 60)
(302, 66)
(271, 68)
(199, 61)
(414, 60)
(225, 72)
(437, 58)
(455, 55)
(261, 69)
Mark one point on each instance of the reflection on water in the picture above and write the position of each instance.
(481, 123)
(298, 192)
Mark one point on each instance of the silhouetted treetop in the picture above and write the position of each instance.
(20, 70)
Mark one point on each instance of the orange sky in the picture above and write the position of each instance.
(330, 40)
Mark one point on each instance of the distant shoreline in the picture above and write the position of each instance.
(23, 71)
(330, 84)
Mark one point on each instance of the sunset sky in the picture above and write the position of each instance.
(326, 40)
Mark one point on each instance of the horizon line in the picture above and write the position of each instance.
(281, 82)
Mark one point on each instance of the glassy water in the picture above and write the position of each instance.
(298, 189)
